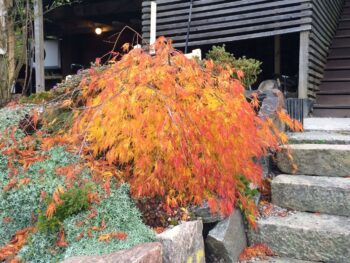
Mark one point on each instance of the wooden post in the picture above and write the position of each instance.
(277, 55)
(304, 64)
(39, 46)
(153, 34)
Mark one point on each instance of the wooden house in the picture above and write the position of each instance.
(304, 31)
(74, 35)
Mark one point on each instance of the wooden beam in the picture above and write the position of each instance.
(277, 54)
(153, 22)
(304, 64)
(39, 46)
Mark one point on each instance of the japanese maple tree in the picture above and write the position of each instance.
(175, 129)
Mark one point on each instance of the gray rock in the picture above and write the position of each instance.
(273, 103)
(143, 253)
(309, 193)
(183, 243)
(227, 240)
(265, 163)
(268, 85)
(306, 236)
(204, 213)
(280, 260)
(317, 159)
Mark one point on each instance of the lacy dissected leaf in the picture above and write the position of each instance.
(174, 128)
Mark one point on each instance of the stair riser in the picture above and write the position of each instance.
(318, 159)
(303, 242)
(343, 32)
(338, 63)
(340, 52)
(345, 16)
(331, 113)
(331, 74)
(333, 99)
(302, 193)
(344, 24)
(335, 86)
(340, 42)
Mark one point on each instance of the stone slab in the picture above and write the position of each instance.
(306, 236)
(143, 253)
(227, 240)
(319, 137)
(327, 124)
(316, 159)
(312, 194)
(183, 243)
(280, 260)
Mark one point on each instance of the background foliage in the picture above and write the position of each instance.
(251, 68)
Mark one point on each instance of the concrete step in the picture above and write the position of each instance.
(327, 124)
(306, 236)
(312, 194)
(279, 260)
(319, 137)
(331, 160)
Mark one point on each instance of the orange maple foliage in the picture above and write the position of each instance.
(10, 250)
(109, 236)
(175, 129)
(260, 251)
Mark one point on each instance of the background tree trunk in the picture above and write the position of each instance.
(7, 45)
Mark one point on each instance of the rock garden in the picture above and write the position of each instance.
(141, 158)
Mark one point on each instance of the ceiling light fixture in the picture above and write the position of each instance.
(98, 31)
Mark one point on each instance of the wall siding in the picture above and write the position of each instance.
(218, 21)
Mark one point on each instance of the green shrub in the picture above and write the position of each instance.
(250, 67)
(11, 116)
(58, 119)
(38, 98)
(20, 203)
(74, 201)
(119, 214)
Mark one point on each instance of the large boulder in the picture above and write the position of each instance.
(227, 240)
(143, 253)
(183, 243)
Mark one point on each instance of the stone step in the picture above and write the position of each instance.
(279, 260)
(319, 137)
(316, 159)
(327, 124)
(327, 195)
(306, 236)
